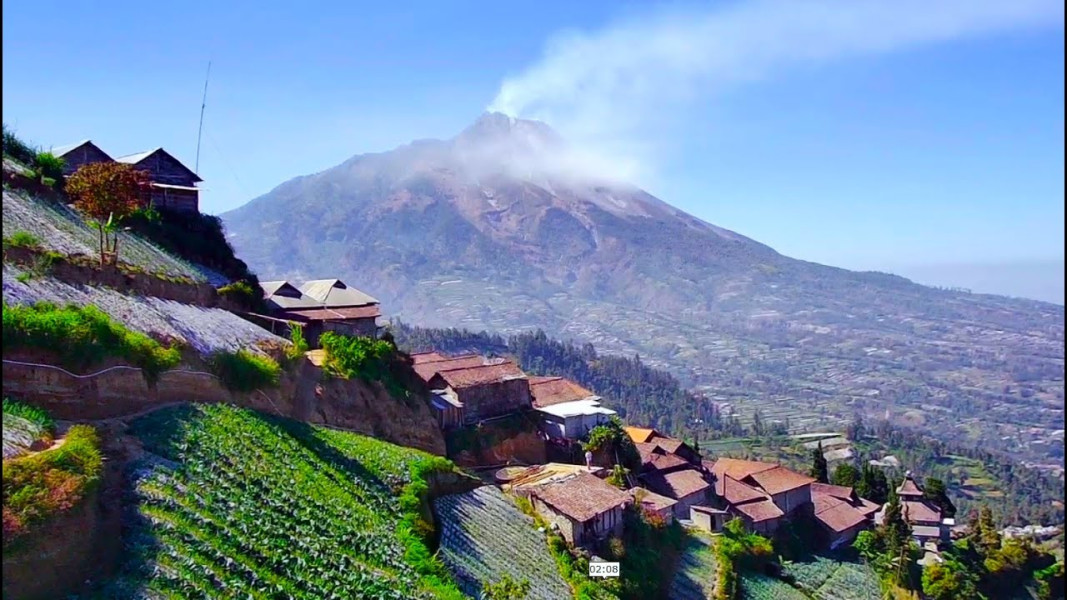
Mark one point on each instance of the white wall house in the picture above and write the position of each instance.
(573, 419)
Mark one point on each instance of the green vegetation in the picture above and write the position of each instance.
(200, 239)
(245, 371)
(267, 507)
(299, 346)
(22, 239)
(738, 550)
(40, 486)
(611, 438)
(648, 556)
(49, 167)
(106, 193)
(820, 470)
(18, 149)
(33, 414)
(82, 336)
(365, 358)
(694, 577)
(506, 589)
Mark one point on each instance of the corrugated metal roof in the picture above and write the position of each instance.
(334, 292)
(575, 408)
(66, 148)
(332, 314)
(132, 159)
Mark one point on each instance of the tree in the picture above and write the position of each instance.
(935, 492)
(894, 527)
(757, 423)
(107, 192)
(506, 589)
(49, 166)
(948, 581)
(845, 475)
(819, 466)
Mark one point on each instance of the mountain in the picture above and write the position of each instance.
(503, 228)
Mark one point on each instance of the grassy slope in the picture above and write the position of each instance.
(231, 503)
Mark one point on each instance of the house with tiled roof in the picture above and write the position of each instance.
(752, 505)
(670, 445)
(480, 391)
(566, 410)
(788, 490)
(688, 487)
(653, 504)
(324, 305)
(583, 508)
(840, 512)
(924, 517)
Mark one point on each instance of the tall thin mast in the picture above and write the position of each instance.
(200, 130)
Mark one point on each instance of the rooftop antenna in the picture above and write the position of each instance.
(200, 130)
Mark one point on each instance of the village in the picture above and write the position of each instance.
(674, 481)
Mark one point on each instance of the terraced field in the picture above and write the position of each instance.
(204, 329)
(484, 536)
(755, 586)
(231, 503)
(827, 579)
(62, 230)
(695, 578)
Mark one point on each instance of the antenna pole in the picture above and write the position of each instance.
(200, 130)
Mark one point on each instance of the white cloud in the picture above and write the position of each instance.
(610, 91)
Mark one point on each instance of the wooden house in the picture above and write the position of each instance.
(687, 487)
(668, 444)
(790, 491)
(173, 184)
(483, 391)
(80, 153)
(840, 512)
(584, 508)
(320, 306)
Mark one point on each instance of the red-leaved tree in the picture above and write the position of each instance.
(107, 192)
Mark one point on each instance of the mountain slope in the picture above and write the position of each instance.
(498, 228)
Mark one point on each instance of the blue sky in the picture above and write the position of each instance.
(923, 148)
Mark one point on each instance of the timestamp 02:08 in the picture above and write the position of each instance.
(603, 569)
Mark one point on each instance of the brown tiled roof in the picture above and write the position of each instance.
(669, 444)
(739, 469)
(651, 499)
(555, 390)
(648, 450)
(421, 357)
(837, 491)
(779, 479)
(465, 377)
(639, 435)
(331, 314)
(759, 510)
(835, 513)
(536, 379)
(920, 511)
(665, 462)
(867, 507)
(680, 484)
(428, 368)
(909, 488)
(736, 492)
(581, 497)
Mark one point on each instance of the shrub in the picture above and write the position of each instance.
(82, 336)
(33, 414)
(49, 166)
(22, 239)
(245, 371)
(242, 292)
(299, 344)
(366, 358)
(17, 149)
(41, 485)
(108, 192)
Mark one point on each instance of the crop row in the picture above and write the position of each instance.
(238, 507)
(63, 230)
(755, 586)
(207, 330)
(484, 536)
(695, 577)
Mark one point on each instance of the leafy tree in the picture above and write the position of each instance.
(948, 581)
(873, 484)
(757, 423)
(869, 544)
(819, 466)
(934, 491)
(506, 589)
(845, 475)
(107, 192)
(1050, 582)
(617, 477)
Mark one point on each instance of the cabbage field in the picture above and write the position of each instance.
(755, 586)
(484, 536)
(825, 578)
(231, 503)
(206, 330)
(61, 229)
(695, 577)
